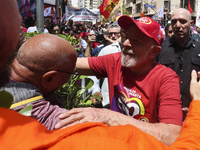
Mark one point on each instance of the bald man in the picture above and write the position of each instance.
(181, 53)
(43, 64)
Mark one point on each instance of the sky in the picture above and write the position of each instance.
(74, 3)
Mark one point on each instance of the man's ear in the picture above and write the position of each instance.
(48, 78)
(155, 51)
(191, 22)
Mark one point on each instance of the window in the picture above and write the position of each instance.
(166, 6)
(137, 8)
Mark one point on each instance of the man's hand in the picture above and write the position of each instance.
(81, 115)
(195, 86)
(91, 38)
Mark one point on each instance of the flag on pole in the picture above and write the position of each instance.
(189, 7)
(119, 12)
(198, 15)
(47, 12)
(160, 13)
(27, 9)
(63, 18)
(107, 6)
(55, 21)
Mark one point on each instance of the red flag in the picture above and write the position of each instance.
(189, 7)
(107, 6)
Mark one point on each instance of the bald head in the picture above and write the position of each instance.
(46, 52)
(183, 11)
(10, 28)
(181, 23)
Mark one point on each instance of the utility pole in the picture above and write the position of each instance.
(57, 9)
(40, 15)
(142, 10)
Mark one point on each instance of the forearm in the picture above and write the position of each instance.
(165, 133)
(88, 50)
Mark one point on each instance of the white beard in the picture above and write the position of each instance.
(128, 60)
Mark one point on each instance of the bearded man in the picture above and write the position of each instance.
(142, 92)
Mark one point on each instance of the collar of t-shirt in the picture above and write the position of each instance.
(173, 41)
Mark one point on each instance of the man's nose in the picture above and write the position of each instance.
(126, 43)
(178, 24)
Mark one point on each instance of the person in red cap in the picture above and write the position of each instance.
(142, 92)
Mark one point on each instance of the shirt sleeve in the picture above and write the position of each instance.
(169, 103)
(45, 113)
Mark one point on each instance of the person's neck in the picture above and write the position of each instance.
(183, 41)
(140, 70)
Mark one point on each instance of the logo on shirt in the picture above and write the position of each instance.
(128, 101)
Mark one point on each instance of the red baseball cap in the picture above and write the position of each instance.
(147, 25)
(84, 34)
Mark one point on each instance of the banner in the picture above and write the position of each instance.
(54, 12)
(189, 7)
(47, 12)
(82, 14)
(107, 6)
(27, 8)
(119, 12)
(198, 14)
(160, 13)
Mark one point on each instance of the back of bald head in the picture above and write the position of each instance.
(45, 52)
(186, 12)
(10, 28)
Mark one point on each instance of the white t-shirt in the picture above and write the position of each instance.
(83, 44)
(33, 29)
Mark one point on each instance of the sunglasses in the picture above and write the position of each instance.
(115, 33)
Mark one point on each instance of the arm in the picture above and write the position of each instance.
(190, 133)
(91, 38)
(161, 131)
(83, 66)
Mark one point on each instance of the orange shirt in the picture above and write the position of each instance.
(21, 132)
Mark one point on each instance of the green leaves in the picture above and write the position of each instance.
(72, 92)
(6, 99)
(26, 111)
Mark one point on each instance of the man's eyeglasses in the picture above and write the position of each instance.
(76, 72)
(111, 33)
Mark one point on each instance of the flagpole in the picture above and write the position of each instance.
(142, 6)
(40, 15)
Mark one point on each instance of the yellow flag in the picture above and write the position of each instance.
(119, 12)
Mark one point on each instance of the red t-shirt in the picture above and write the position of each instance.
(152, 97)
(94, 45)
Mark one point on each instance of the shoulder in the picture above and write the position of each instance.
(163, 71)
(166, 42)
(113, 48)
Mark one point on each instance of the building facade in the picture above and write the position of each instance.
(151, 7)
(89, 4)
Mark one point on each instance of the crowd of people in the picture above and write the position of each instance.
(152, 88)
